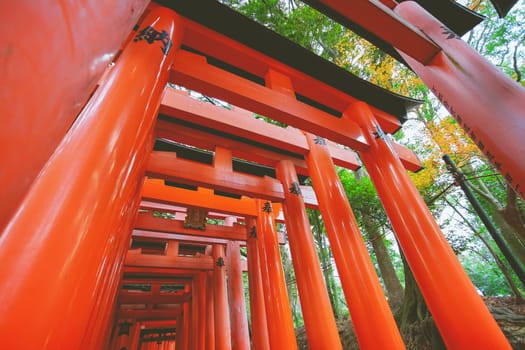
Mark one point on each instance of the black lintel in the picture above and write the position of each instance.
(456, 17)
(206, 157)
(226, 21)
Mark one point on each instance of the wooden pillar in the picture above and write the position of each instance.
(459, 312)
(210, 322)
(198, 315)
(184, 334)
(366, 302)
(486, 103)
(257, 310)
(66, 232)
(281, 332)
(179, 336)
(44, 115)
(319, 321)
(201, 334)
(221, 311)
(134, 344)
(238, 317)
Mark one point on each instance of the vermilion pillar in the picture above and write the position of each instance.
(181, 336)
(459, 312)
(183, 341)
(198, 319)
(281, 331)
(319, 321)
(210, 322)
(238, 317)
(255, 285)
(103, 315)
(486, 103)
(364, 295)
(136, 336)
(221, 311)
(47, 78)
(65, 232)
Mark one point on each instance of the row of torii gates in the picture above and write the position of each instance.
(97, 256)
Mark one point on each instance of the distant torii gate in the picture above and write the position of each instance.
(69, 269)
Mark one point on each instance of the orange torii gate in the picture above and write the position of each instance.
(71, 205)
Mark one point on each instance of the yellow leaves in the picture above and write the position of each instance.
(426, 178)
(368, 62)
(444, 136)
(452, 139)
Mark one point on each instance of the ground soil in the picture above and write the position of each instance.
(509, 314)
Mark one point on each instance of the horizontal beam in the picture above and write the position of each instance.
(192, 238)
(146, 221)
(408, 158)
(134, 258)
(167, 166)
(168, 208)
(201, 262)
(193, 72)
(186, 281)
(207, 141)
(242, 124)
(159, 324)
(182, 238)
(230, 38)
(156, 190)
(381, 21)
(145, 314)
(149, 298)
(139, 272)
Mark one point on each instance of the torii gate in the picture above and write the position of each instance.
(71, 205)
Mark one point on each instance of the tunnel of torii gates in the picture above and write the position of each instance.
(110, 175)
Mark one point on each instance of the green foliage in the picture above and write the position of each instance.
(297, 22)
(484, 273)
(502, 40)
(362, 195)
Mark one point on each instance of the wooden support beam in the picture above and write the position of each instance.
(203, 140)
(407, 157)
(159, 324)
(134, 258)
(192, 238)
(181, 238)
(381, 21)
(168, 208)
(145, 314)
(148, 298)
(232, 39)
(155, 190)
(166, 165)
(151, 280)
(194, 72)
(241, 123)
(159, 272)
(146, 221)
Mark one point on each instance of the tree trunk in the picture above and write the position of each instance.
(508, 218)
(392, 284)
(324, 258)
(414, 320)
(504, 270)
(291, 287)
(499, 262)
